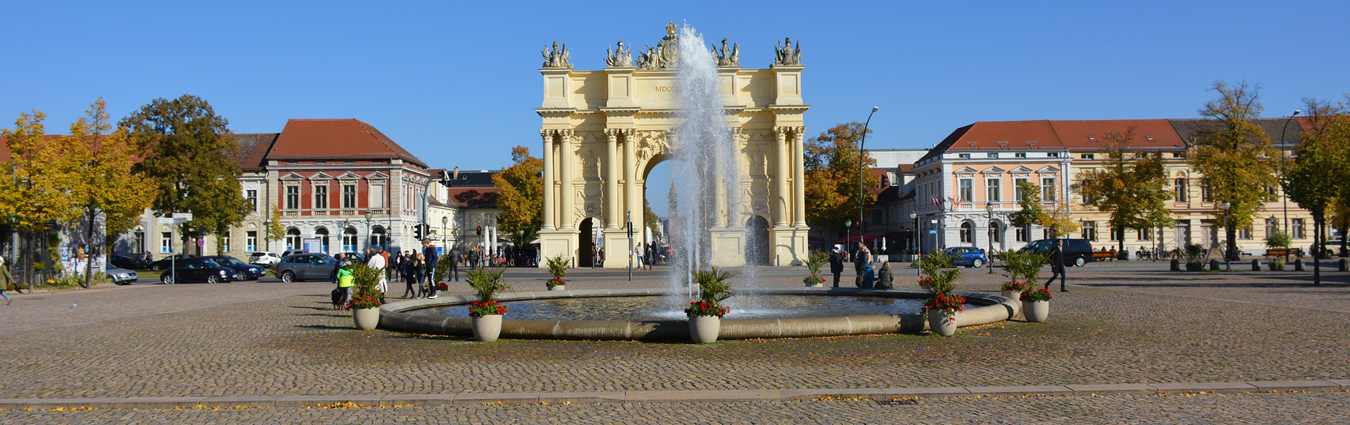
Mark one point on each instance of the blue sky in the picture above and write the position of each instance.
(457, 83)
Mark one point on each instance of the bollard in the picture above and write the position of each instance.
(1176, 265)
(1298, 265)
(1344, 264)
(1213, 264)
(1256, 265)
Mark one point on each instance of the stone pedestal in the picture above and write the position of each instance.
(728, 247)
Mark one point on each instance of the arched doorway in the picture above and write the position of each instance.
(322, 234)
(292, 239)
(349, 240)
(587, 251)
(757, 242)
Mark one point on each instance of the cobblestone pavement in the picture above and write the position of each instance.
(1121, 323)
(1249, 408)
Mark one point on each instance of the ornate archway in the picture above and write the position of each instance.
(603, 130)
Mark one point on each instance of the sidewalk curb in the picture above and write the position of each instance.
(466, 398)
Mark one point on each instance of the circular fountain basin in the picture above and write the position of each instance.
(646, 314)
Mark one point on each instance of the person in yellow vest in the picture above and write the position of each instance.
(346, 280)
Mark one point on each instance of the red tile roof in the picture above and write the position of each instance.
(252, 153)
(336, 139)
(1149, 134)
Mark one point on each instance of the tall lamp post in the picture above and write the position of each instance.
(1284, 197)
(862, 163)
(445, 224)
(1228, 245)
(914, 233)
(989, 208)
(346, 248)
(848, 226)
(368, 229)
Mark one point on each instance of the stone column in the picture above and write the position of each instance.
(612, 197)
(565, 157)
(630, 188)
(798, 180)
(780, 195)
(719, 194)
(549, 206)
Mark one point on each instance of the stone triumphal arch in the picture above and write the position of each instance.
(603, 131)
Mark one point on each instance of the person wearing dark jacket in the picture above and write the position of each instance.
(1057, 265)
(429, 264)
(836, 264)
(884, 277)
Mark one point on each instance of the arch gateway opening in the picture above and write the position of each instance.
(602, 131)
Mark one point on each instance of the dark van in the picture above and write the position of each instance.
(1077, 252)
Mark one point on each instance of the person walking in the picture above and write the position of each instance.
(5, 278)
(345, 280)
(454, 265)
(429, 261)
(377, 263)
(397, 267)
(1057, 265)
(836, 264)
(402, 270)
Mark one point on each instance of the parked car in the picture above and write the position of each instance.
(242, 271)
(267, 259)
(197, 269)
(1077, 252)
(163, 264)
(294, 268)
(125, 262)
(967, 256)
(354, 257)
(118, 275)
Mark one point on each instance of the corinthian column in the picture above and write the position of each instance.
(798, 180)
(565, 157)
(549, 206)
(780, 195)
(630, 172)
(612, 197)
(719, 193)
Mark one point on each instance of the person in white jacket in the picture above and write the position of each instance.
(376, 261)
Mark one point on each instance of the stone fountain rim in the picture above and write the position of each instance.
(399, 316)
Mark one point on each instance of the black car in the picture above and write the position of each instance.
(299, 267)
(124, 262)
(1077, 252)
(242, 270)
(198, 269)
(163, 264)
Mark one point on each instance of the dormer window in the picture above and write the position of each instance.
(1020, 154)
(1052, 154)
(1089, 156)
(963, 155)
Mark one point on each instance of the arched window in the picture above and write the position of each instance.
(377, 236)
(996, 232)
(292, 239)
(349, 240)
(322, 234)
(967, 232)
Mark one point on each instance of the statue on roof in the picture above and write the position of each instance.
(556, 57)
(728, 57)
(666, 54)
(620, 58)
(786, 54)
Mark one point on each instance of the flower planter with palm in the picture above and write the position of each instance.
(705, 315)
(366, 296)
(486, 313)
(814, 263)
(557, 266)
(939, 279)
(1036, 305)
(1023, 271)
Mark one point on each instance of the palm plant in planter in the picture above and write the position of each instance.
(557, 266)
(366, 296)
(705, 315)
(814, 262)
(939, 279)
(487, 313)
(1036, 305)
(1024, 269)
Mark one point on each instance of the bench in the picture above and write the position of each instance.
(1103, 255)
(1280, 252)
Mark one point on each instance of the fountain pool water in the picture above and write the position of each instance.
(645, 308)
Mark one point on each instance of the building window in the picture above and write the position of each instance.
(1245, 233)
(1052, 154)
(348, 196)
(1145, 234)
(1296, 226)
(1116, 234)
(377, 237)
(251, 241)
(967, 190)
(1023, 233)
(1048, 189)
(1017, 188)
(1090, 230)
(321, 197)
(991, 155)
(963, 155)
(1020, 155)
(166, 242)
(140, 242)
(995, 232)
(967, 233)
(292, 197)
(1089, 156)
(1179, 189)
(349, 240)
(1205, 194)
(1272, 226)
(995, 192)
(322, 234)
(1178, 154)
(293, 239)
(253, 199)
(225, 242)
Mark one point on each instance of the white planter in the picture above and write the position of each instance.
(704, 329)
(1012, 295)
(1036, 311)
(366, 318)
(558, 288)
(487, 328)
(816, 285)
(939, 322)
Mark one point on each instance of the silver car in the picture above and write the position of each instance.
(297, 267)
(120, 276)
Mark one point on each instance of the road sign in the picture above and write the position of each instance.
(932, 232)
(184, 216)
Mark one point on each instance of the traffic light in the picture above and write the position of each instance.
(480, 230)
(417, 232)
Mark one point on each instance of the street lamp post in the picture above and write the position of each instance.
(445, 224)
(1284, 197)
(914, 232)
(367, 228)
(862, 163)
(1228, 245)
(346, 223)
(848, 226)
(989, 207)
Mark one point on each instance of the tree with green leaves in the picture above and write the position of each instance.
(1130, 186)
(1235, 156)
(831, 174)
(35, 191)
(188, 160)
(522, 189)
(1316, 179)
(1030, 210)
(103, 183)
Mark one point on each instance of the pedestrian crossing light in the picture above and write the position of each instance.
(480, 230)
(417, 232)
